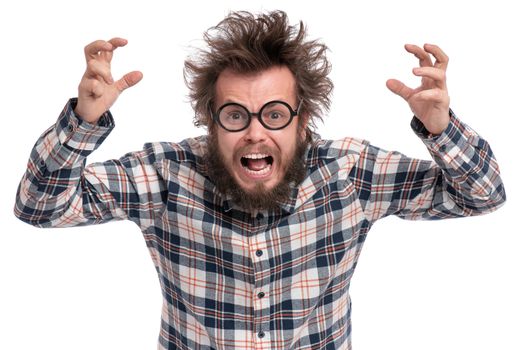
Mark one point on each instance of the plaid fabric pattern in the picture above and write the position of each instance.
(274, 279)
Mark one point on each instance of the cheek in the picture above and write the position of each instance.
(289, 153)
(226, 146)
(287, 147)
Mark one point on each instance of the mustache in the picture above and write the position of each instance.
(248, 149)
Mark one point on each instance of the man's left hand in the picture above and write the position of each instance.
(430, 101)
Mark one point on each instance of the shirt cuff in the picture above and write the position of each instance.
(70, 140)
(455, 149)
(450, 142)
(78, 135)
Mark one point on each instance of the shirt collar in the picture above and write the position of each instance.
(287, 206)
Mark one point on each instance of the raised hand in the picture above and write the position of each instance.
(430, 101)
(97, 90)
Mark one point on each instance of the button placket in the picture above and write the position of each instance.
(261, 300)
(262, 340)
(258, 250)
(260, 256)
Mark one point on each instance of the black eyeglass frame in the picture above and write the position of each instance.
(293, 113)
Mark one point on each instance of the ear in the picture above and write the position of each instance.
(303, 126)
(211, 129)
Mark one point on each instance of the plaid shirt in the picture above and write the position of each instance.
(274, 279)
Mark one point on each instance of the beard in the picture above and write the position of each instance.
(260, 197)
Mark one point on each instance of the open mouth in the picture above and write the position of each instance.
(257, 163)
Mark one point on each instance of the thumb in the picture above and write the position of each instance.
(128, 80)
(399, 88)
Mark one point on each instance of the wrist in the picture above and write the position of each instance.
(435, 128)
(82, 113)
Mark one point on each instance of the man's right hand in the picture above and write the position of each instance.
(97, 90)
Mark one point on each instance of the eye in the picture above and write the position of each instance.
(275, 115)
(234, 116)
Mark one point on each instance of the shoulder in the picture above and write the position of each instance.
(167, 155)
(189, 150)
(322, 149)
(334, 158)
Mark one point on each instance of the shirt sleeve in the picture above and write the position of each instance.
(59, 190)
(462, 180)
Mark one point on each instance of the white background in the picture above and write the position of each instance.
(455, 284)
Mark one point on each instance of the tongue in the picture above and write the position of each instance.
(256, 164)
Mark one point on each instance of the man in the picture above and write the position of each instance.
(255, 228)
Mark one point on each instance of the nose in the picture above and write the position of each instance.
(255, 132)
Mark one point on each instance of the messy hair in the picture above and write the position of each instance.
(247, 44)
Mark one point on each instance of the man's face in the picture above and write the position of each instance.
(257, 158)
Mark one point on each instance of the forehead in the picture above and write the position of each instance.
(253, 90)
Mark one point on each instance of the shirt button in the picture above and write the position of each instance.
(70, 128)
(261, 295)
(261, 334)
(443, 148)
(259, 253)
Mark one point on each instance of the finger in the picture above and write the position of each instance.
(399, 88)
(128, 80)
(99, 69)
(424, 58)
(116, 42)
(441, 59)
(436, 74)
(92, 50)
(432, 95)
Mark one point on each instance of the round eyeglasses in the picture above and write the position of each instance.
(274, 115)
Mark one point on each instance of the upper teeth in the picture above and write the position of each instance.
(256, 156)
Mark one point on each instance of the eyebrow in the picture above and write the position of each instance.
(231, 101)
(258, 109)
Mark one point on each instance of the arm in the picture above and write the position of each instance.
(57, 189)
(464, 178)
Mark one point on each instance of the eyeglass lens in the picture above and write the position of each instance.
(273, 116)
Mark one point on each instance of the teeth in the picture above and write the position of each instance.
(258, 172)
(256, 156)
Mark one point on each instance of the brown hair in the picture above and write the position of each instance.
(248, 44)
